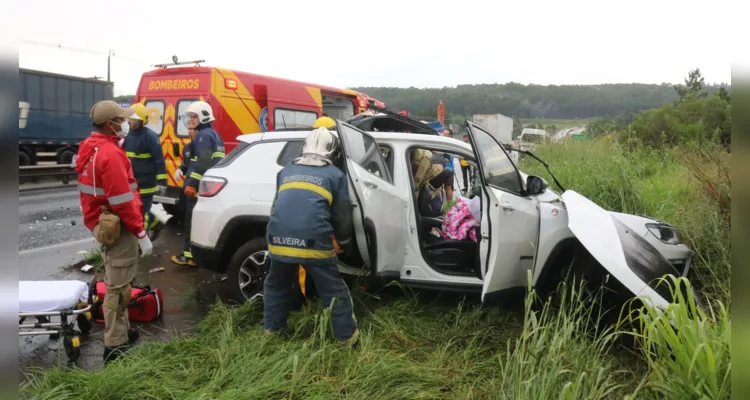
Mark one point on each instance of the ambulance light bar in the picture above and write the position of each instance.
(172, 64)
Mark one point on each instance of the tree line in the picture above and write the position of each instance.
(530, 101)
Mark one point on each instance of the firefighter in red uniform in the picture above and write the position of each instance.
(111, 209)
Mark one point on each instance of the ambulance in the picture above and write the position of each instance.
(242, 103)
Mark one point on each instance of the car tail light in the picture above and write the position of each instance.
(210, 186)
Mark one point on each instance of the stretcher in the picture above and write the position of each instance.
(71, 301)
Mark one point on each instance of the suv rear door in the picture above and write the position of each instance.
(378, 204)
(510, 218)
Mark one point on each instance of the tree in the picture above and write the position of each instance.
(693, 84)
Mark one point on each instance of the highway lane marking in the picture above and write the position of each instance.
(58, 245)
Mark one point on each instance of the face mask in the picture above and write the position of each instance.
(121, 132)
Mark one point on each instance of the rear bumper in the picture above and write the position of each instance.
(208, 258)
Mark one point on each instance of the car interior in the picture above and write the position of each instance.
(447, 256)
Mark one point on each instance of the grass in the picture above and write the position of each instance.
(434, 346)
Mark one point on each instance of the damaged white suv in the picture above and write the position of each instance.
(525, 226)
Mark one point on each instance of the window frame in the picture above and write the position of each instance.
(177, 117)
(163, 110)
(286, 146)
(388, 176)
(482, 164)
(276, 121)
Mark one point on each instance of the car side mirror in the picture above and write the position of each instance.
(535, 185)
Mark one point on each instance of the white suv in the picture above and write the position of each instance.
(525, 226)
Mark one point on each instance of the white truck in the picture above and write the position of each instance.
(501, 128)
(530, 137)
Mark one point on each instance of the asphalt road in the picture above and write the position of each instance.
(52, 235)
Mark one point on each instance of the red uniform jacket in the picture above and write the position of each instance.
(105, 177)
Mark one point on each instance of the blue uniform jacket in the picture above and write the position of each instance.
(144, 151)
(206, 150)
(311, 205)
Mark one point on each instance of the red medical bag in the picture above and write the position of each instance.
(145, 305)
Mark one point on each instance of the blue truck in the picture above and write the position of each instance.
(57, 116)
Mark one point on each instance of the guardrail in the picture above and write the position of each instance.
(35, 173)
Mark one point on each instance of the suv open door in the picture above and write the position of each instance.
(510, 218)
(378, 205)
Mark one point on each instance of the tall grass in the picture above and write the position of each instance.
(687, 347)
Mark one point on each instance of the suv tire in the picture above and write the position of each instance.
(249, 262)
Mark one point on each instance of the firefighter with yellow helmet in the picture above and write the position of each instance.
(324, 122)
(144, 151)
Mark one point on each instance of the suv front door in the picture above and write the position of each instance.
(378, 205)
(510, 218)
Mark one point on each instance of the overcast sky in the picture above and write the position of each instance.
(383, 43)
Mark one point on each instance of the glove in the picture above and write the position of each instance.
(190, 192)
(146, 246)
(177, 174)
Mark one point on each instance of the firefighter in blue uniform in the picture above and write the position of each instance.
(144, 151)
(311, 207)
(206, 149)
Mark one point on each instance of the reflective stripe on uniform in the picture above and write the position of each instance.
(194, 158)
(218, 154)
(301, 253)
(88, 189)
(161, 177)
(149, 190)
(187, 254)
(196, 175)
(308, 186)
(120, 198)
(131, 154)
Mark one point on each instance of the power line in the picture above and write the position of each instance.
(89, 51)
(59, 46)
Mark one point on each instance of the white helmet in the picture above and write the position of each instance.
(320, 144)
(202, 110)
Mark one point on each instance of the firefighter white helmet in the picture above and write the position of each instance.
(320, 148)
(202, 110)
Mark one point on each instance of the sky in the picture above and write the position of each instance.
(382, 43)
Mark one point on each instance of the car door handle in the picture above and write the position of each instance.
(507, 206)
(176, 149)
(370, 184)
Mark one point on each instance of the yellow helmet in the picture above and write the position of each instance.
(140, 114)
(325, 122)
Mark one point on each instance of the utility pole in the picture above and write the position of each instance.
(110, 53)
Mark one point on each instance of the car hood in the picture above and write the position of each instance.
(616, 241)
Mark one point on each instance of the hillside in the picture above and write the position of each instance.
(529, 101)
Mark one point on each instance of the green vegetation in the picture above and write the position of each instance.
(529, 101)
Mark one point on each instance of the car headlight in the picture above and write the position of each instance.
(666, 233)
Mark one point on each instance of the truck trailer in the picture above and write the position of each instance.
(500, 126)
(57, 114)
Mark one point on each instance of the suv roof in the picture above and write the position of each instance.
(426, 140)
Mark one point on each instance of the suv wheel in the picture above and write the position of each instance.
(247, 270)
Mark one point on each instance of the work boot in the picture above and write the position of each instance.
(183, 261)
(154, 231)
(113, 353)
(352, 342)
(133, 335)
